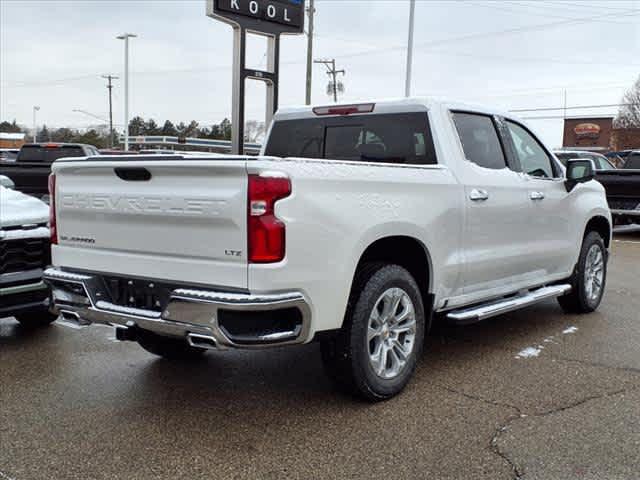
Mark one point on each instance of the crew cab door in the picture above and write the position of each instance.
(551, 228)
(496, 207)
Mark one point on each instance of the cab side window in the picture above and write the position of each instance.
(480, 140)
(533, 158)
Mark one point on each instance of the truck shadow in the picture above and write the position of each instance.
(295, 374)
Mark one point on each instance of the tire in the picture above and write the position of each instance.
(586, 295)
(352, 360)
(167, 347)
(36, 319)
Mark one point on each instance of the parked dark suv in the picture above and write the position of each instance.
(30, 171)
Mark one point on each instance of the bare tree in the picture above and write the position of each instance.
(254, 131)
(629, 113)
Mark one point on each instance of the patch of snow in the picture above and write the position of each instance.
(570, 330)
(40, 232)
(529, 352)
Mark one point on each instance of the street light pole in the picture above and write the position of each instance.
(412, 14)
(126, 37)
(35, 128)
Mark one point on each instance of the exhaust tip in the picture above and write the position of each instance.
(73, 317)
(202, 341)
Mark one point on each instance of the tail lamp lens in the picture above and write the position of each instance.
(266, 233)
(52, 210)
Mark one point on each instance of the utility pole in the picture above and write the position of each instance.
(333, 73)
(110, 87)
(126, 37)
(35, 128)
(412, 14)
(311, 12)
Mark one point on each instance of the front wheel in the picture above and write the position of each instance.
(376, 351)
(589, 277)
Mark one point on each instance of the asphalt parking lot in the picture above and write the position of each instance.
(535, 394)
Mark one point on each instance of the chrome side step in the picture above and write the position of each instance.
(498, 307)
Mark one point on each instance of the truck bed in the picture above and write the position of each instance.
(623, 189)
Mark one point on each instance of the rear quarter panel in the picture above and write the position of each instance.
(337, 209)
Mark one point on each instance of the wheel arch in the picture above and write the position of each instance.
(408, 252)
(601, 225)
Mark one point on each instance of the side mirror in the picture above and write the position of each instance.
(579, 171)
(6, 182)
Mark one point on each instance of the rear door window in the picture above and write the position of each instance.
(479, 139)
(387, 138)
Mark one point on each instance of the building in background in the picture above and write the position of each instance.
(598, 134)
(593, 134)
(625, 139)
(11, 140)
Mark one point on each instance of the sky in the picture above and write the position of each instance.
(511, 54)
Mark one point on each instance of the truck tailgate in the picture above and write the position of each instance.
(622, 187)
(177, 220)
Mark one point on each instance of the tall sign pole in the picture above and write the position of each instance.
(412, 14)
(269, 18)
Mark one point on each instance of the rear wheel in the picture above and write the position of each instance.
(589, 277)
(375, 353)
(167, 347)
(39, 318)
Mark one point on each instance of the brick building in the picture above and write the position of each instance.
(598, 134)
(625, 139)
(11, 140)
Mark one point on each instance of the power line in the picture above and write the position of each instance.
(628, 12)
(537, 13)
(562, 117)
(581, 107)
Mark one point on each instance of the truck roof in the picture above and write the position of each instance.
(393, 105)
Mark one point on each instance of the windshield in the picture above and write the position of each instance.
(37, 153)
(633, 161)
(600, 161)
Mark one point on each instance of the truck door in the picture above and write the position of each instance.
(496, 208)
(551, 241)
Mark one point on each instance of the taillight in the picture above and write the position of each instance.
(345, 109)
(265, 232)
(52, 209)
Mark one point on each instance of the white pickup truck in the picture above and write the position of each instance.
(355, 225)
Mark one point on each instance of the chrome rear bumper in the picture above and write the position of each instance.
(192, 314)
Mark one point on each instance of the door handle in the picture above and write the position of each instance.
(536, 196)
(478, 195)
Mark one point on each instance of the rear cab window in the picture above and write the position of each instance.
(403, 138)
(48, 154)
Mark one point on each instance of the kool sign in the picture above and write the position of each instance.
(266, 16)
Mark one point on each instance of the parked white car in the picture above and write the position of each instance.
(354, 227)
(24, 254)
